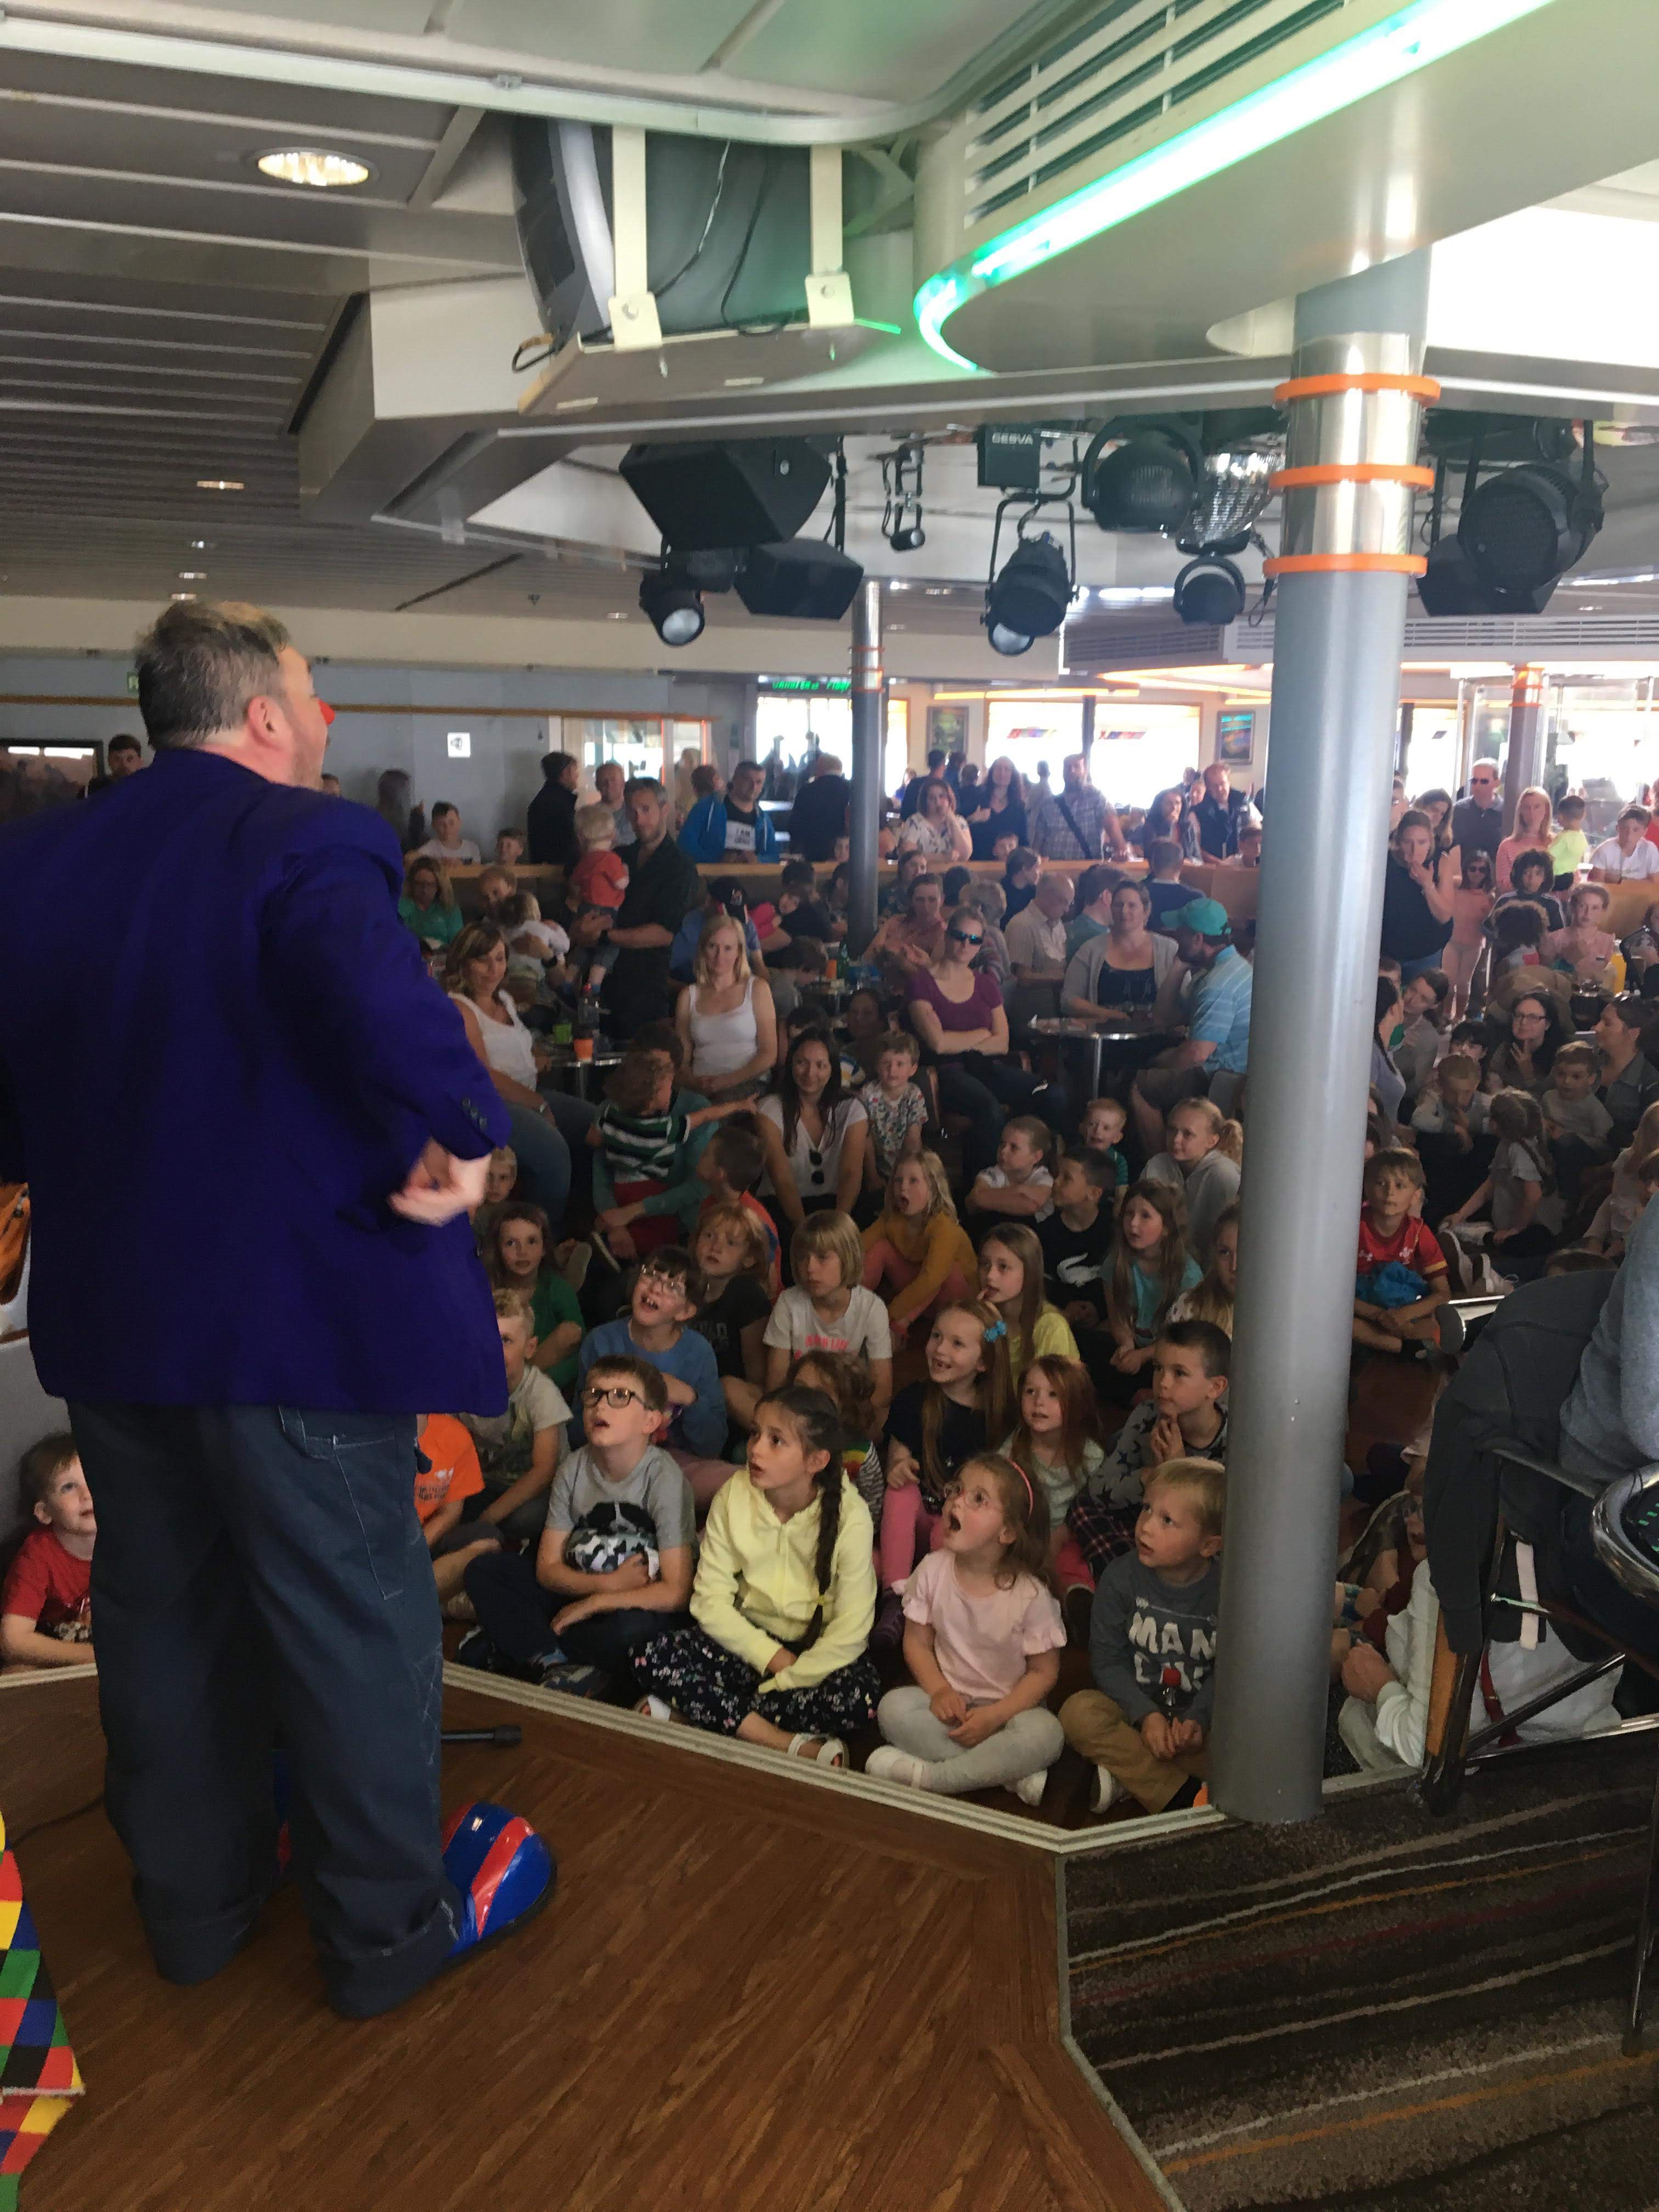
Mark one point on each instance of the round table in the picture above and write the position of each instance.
(575, 1075)
(1096, 1035)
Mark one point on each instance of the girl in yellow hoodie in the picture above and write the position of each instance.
(783, 1600)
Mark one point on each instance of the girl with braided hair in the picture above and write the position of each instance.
(783, 1600)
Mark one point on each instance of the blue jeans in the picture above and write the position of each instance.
(544, 1158)
(260, 1577)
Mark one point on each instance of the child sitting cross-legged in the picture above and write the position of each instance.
(894, 1107)
(45, 1606)
(983, 1637)
(828, 1309)
(1078, 1235)
(664, 1299)
(1145, 1727)
(645, 1139)
(518, 1256)
(933, 1427)
(1185, 1417)
(613, 1566)
(783, 1597)
(1149, 1268)
(1402, 1282)
(730, 1250)
(1520, 1189)
(917, 1253)
(1057, 1439)
(1021, 1184)
(845, 1379)
(518, 1450)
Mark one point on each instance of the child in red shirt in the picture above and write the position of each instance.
(45, 1606)
(1401, 1280)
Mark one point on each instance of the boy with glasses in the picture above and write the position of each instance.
(613, 1565)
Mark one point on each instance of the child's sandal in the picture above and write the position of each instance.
(831, 1751)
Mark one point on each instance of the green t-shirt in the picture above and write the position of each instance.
(437, 923)
(1567, 850)
(554, 1302)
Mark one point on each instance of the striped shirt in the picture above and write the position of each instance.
(642, 1147)
(1220, 1013)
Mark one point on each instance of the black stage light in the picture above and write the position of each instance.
(673, 605)
(1148, 483)
(705, 494)
(909, 537)
(1451, 586)
(1523, 528)
(1029, 599)
(802, 577)
(1211, 591)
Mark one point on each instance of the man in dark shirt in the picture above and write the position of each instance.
(801, 913)
(552, 815)
(819, 817)
(916, 789)
(124, 754)
(1220, 814)
(663, 887)
(1478, 820)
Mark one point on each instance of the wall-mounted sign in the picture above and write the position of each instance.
(818, 687)
(1235, 736)
(460, 744)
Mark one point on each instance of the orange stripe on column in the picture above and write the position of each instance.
(1333, 564)
(1322, 387)
(1334, 472)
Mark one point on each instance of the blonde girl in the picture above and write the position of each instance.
(1022, 1182)
(983, 1636)
(1011, 1279)
(1212, 1298)
(1201, 1162)
(1057, 1438)
(1520, 1190)
(967, 1398)
(783, 1598)
(845, 1377)
(828, 1309)
(1533, 832)
(730, 1246)
(726, 1016)
(1616, 1216)
(1148, 1268)
(916, 1252)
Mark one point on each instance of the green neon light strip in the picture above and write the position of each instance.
(1412, 38)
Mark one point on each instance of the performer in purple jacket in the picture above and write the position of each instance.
(251, 1128)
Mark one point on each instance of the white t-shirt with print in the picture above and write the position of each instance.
(796, 1328)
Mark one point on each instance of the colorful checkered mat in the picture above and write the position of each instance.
(39, 2077)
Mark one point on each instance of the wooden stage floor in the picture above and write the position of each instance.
(747, 1993)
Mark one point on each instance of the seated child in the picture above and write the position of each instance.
(1451, 1104)
(802, 918)
(646, 1142)
(782, 1601)
(727, 1170)
(933, 1427)
(729, 1249)
(982, 1638)
(1185, 1417)
(499, 1178)
(845, 1379)
(613, 1566)
(518, 1450)
(1204, 1149)
(664, 1299)
(1148, 1269)
(917, 1253)
(1616, 1215)
(1211, 1299)
(1057, 1440)
(1400, 1281)
(1010, 1283)
(894, 1108)
(45, 1603)
(1532, 876)
(1101, 1130)
(518, 1256)
(1520, 1190)
(446, 1474)
(1165, 893)
(1572, 1108)
(828, 1308)
(1424, 1001)
(1078, 1235)
(1145, 1727)
(1022, 1182)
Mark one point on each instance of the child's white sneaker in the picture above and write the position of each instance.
(1029, 1788)
(890, 1765)
(1107, 1791)
(654, 1708)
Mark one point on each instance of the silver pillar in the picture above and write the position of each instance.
(1354, 403)
(1523, 765)
(863, 816)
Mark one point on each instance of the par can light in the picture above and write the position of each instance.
(1210, 592)
(1524, 527)
(672, 606)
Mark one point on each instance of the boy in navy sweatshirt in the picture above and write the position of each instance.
(1146, 1727)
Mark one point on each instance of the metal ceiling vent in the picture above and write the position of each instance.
(1121, 69)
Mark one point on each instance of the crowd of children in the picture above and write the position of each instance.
(804, 1447)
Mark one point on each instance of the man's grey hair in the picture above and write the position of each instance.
(200, 665)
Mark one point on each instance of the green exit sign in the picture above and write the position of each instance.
(813, 686)
(132, 683)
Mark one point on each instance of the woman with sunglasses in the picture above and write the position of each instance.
(958, 1014)
(812, 1134)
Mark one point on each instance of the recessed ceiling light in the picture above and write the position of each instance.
(192, 575)
(218, 484)
(312, 165)
(614, 616)
(184, 595)
(198, 545)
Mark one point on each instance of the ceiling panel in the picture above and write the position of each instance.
(671, 35)
(872, 49)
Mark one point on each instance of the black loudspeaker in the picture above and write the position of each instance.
(802, 577)
(1454, 586)
(743, 492)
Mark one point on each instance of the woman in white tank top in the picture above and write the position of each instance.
(726, 1016)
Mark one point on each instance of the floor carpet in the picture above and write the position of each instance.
(1379, 2012)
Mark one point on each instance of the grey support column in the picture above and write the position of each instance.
(1524, 764)
(864, 817)
(1354, 401)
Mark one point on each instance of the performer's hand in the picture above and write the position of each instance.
(439, 1186)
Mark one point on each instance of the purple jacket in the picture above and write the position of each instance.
(219, 1053)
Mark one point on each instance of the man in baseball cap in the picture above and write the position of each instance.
(1218, 1040)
